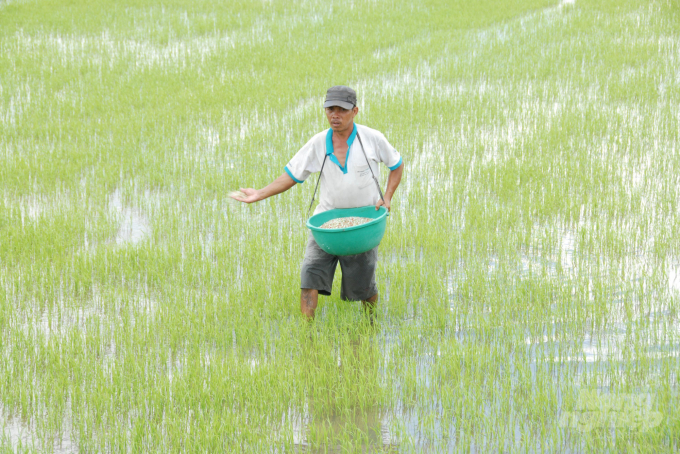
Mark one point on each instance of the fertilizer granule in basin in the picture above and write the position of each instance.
(343, 223)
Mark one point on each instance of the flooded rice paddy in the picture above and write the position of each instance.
(529, 277)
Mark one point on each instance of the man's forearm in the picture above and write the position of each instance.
(393, 181)
(281, 184)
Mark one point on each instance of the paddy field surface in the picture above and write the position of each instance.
(529, 277)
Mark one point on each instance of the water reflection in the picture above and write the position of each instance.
(332, 423)
(21, 434)
(134, 226)
(330, 431)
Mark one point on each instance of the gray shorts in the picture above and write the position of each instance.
(358, 272)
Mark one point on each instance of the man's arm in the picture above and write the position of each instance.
(281, 184)
(392, 183)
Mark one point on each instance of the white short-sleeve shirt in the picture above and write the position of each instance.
(351, 186)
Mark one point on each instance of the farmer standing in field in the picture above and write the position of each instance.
(346, 182)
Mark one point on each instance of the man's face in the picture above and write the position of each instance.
(341, 119)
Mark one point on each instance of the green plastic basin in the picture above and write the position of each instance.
(350, 240)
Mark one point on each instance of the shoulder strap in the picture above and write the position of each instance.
(369, 166)
(317, 186)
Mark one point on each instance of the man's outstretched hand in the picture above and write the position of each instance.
(245, 195)
(250, 195)
(387, 204)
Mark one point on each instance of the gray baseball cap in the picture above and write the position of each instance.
(341, 96)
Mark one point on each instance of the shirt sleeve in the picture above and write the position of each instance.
(387, 153)
(305, 162)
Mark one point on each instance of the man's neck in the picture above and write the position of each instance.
(344, 135)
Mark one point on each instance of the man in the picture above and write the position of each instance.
(346, 182)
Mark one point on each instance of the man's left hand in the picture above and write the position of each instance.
(387, 204)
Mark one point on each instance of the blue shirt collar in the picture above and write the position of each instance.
(329, 139)
(330, 151)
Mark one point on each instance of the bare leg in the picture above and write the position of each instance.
(369, 306)
(309, 298)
